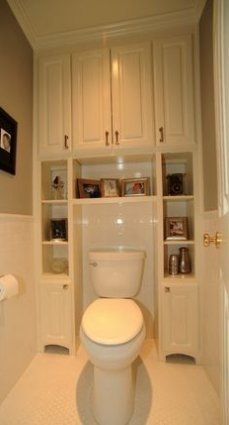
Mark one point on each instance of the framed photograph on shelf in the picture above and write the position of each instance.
(88, 188)
(8, 140)
(176, 228)
(109, 188)
(135, 187)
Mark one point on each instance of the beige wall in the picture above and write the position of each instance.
(16, 65)
(208, 114)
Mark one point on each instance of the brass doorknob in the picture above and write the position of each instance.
(216, 239)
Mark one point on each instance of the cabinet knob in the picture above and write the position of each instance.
(116, 138)
(167, 289)
(66, 142)
(65, 287)
(161, 130)
(107, 138)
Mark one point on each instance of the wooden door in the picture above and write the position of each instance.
(54, 98)
(131, 96)
(180, 319)
(173, 89)
(91, 100)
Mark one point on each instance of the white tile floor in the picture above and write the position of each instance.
(55, 390)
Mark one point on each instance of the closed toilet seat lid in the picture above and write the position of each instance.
(112, 321)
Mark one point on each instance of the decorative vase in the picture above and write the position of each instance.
(184, 262)
(173, 264)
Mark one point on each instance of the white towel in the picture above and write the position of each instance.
(8, 286)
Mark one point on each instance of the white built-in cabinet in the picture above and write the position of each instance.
(112, 98)
(56, 313)
(173, 91)
(180, 318)
(54, 110)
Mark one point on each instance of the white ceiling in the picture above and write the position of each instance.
(48, 18)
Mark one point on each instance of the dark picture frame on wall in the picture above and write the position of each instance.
(8, 142)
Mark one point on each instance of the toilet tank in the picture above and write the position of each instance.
(116, 274)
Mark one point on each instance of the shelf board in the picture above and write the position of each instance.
(55, 243)
(57, 277)
(179, 242)
(55, 201)
(179, 278)
(114, 200)
(178, 198)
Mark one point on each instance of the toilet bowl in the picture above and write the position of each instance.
(112, 332)
(112, 348)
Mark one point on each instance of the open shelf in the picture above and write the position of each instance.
(114, 200)
(179, 242)
(54, 201)
(179, 278)
(55, 243)
(178, 198)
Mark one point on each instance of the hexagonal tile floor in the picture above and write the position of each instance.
(56, 390)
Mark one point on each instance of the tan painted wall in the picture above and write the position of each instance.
(16, 87)
(208, 114)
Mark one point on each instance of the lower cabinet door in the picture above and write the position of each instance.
(180, 320)
(56, 314)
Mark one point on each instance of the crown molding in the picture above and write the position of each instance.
(199, 8)
(98, 33)
(23, 21)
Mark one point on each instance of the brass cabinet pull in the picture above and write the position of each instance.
(66, 142)
(106, 138)
(116, 138)
(215, 240)
(161, 130)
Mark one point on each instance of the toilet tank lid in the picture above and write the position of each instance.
(116, 255)
(112, 321)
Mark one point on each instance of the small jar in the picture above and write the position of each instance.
(173, 264)
(184, 261)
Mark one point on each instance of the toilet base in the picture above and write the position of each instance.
(113, 396)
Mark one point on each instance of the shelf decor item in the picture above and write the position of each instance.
(176, 228)
(58, 188)
(175, 184)
(8, 140)
(135, 187)
(58, 229)
(109, 188)
(174, 264)
(87, 188)
(59, 265)
(184, 261)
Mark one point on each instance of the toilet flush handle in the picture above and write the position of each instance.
(94, 264)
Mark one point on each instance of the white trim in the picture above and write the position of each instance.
(23, 20)
(98, 33)
(16, 217)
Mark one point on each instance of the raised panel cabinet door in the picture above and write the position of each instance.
(132, 95)
(56, 320)
(54, 97)
(173, 88)
(91, 99)
(180, 320)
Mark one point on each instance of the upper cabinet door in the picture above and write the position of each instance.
(54, 98)
(173, 87)
(132, 95)
(91, 100)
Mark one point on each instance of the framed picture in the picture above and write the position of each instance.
(8, 140)
(135, 187)
(87, 188)
(109, 187)
(176, 228)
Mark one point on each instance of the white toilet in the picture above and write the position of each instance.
(112, 332)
